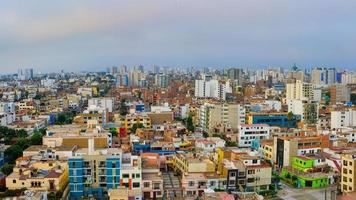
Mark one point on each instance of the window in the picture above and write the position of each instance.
(232, 174)
(138, 175)
(14, 181)
(191, 183)
(146, 184)
(135, 185)
(156, 186)
(125, 175)
(254, 161)
(231, 182)
(212, 183)
(251, 172)
(250, 180)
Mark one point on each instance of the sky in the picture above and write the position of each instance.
(92, 35)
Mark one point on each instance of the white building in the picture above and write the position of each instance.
(212, 89)
(7, 113)
(249, 132)
(343, 119)
(104, 103)
(210, 143)
(300, 107)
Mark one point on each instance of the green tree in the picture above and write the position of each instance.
(123, 108)
(113, 131)
(205, 134)
(190, 124)
(7, 169)
(36, 139)
(135, 127)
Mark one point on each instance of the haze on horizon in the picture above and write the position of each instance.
(91, 35)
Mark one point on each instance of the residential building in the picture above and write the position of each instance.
(221, 113)
(300, 91)
(306, 172)
(77, 135)
(279, 119)
(339, 94)
(348, 175)
(249, 132)
(38, 172)
(284, 148)
(105, 103)
(343, 119)
(92, 172)
(189, 163)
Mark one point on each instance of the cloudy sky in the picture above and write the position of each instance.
(91, 35)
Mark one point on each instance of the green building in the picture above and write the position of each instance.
(303, 174)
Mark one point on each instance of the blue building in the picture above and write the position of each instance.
(93, 175)
(280, 120)
(140, 107)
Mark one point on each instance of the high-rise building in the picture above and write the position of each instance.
(212, 89)
(323, 76)
(234, 73)
(230, 115)
(25, 74)
(339, 94)
(123, 69)
(161, 80)
(156, 69)
(300, 90)
(113, 70)
(136, 78)
(343, 119)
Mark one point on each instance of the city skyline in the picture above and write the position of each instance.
(74, 36)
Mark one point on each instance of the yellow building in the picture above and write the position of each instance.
(188, 163)
(348, 175)
(74, 134)
(266, 147)
(130, 119)
(38, 173)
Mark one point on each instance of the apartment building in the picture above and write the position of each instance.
(136, 118)
(93, 113)
(300, 91)
(306, 109)
(339, 94)
(103, 103)
(77, 135)
(279, 119)
(348, 175)
(212, 114)
(38, 172)
(343, 119)
(188, 163)
(284, 148)
(249, 132)
(92, 172)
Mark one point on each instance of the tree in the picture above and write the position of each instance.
(290, 116)
(36, 139)
(7, 169)
(123, 108)
(135, 127)
(113, 131)
(190, 125)
(205, 134)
